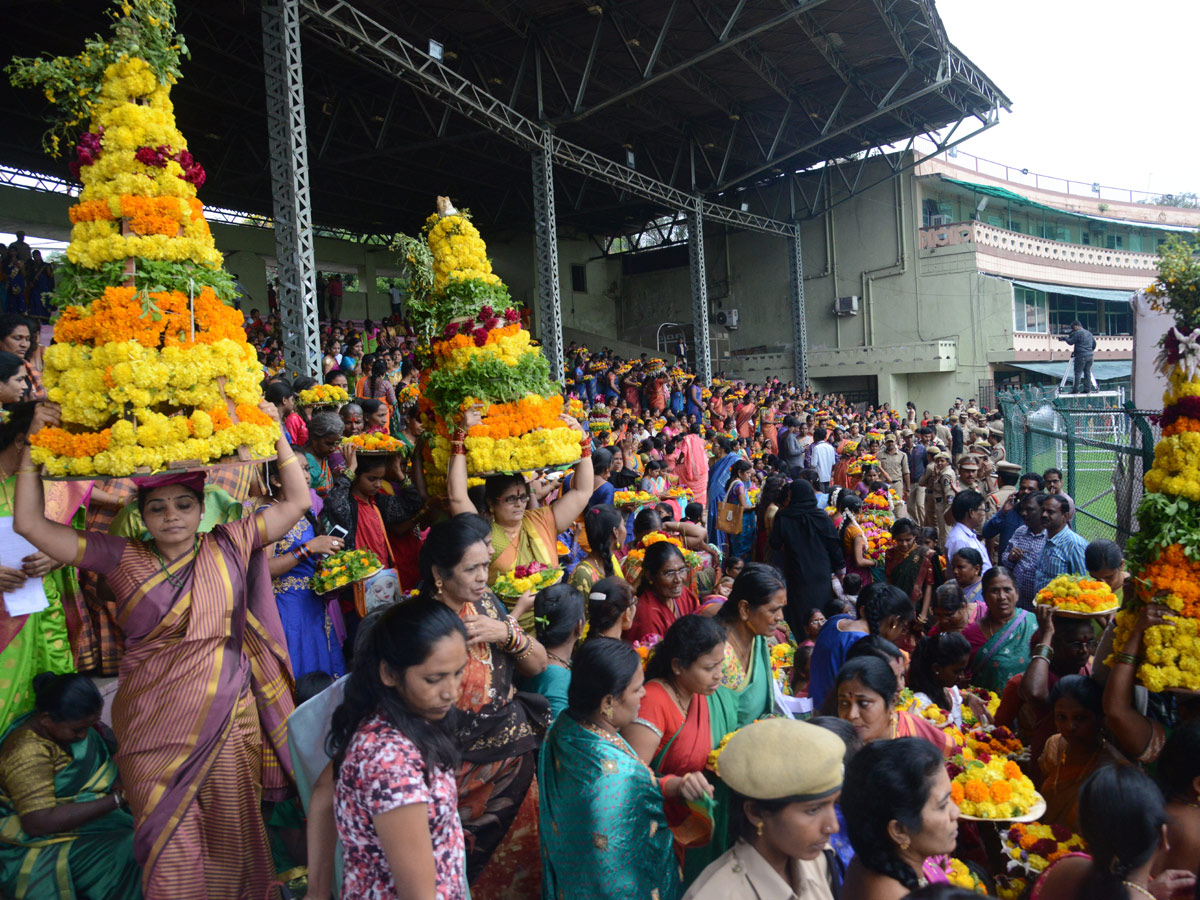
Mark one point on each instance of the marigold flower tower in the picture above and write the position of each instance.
(480, 356)
(150, 366)
(1164, 556)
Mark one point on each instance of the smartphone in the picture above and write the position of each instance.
(338, 531)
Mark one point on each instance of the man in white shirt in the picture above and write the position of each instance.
(823, 458)
(969, 510)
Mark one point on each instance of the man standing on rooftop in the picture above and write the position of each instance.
(1084, 344)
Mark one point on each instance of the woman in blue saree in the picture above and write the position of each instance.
(312, 624)
(719, 469)
(603, 826)
(63, 831)
(750, 616)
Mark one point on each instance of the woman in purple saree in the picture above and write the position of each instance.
(204, 687)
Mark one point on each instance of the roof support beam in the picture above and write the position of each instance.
(587, 68)
(344, 26)
(795, 9)
(658, 43)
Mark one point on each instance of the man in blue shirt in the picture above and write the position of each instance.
(1064, 550)
(1008, 518)
(917, 461)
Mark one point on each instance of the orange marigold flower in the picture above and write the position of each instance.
(976, 791)
(1001, 791)
(1011, 770)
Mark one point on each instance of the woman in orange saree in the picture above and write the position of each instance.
(204, 687)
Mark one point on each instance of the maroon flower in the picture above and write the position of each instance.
(983, 756)
(480, 336)
(511, 315)
(1061, 832)
(1044, 847)
(485, 312)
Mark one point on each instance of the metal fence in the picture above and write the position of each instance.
(1103, 448)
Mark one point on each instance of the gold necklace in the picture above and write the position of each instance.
(739, 649)
(676, 697)
(1137, 887)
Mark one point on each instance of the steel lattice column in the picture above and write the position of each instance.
(796, 299)
(546, 240)
(287, 135)
(699, 278)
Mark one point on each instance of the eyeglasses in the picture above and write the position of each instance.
(674, 573)
(1089, 645)
(515, 499)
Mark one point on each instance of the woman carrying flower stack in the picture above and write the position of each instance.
(191, 603)
(520, 535)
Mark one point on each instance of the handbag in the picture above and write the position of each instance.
(729, 515)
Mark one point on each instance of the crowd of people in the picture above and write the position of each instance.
(624, 732)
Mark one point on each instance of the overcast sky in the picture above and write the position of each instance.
(1099, 88)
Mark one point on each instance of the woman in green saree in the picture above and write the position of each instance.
(750, 616)
(603, 826)
(63, 833)
(1000, 640)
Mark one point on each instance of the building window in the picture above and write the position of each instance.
(1065, 309)
(1030, 307)
(1118, 318)
(1115, 242)
(578, 278)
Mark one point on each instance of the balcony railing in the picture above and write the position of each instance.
(1042, 248)
(1107, 345)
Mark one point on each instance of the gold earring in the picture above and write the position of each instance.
(608, 712)
(904, 843)
(438, 586)
(758, 828)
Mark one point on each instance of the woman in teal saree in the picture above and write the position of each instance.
(603, 827)
(1000, 640)
(63, 833)
(750, 616)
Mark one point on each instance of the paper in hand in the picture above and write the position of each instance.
(31, 596)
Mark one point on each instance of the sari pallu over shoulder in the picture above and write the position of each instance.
(193, 651)
(95, 858)
(603, 828)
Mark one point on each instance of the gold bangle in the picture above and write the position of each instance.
(30, 470)
(288, 461)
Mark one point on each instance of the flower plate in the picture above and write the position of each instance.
(1078, 614)
(1035, 812)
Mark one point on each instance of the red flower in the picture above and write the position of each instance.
(983, 756)
(511, 315)
(1061, 833)
(148, 156)
(1044, 847)
(480, 336)
(485, 312)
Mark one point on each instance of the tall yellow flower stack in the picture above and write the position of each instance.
(480, 356)
(150, 366)
(1164, 556)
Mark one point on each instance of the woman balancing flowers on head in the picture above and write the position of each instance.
(520, 535)
(204, 684)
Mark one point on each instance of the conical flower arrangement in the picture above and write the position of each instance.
(1164, 556)
(481, 356)
(151, 368)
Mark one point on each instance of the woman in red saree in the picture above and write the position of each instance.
(683, 716)
(769, 422)
(204, 687)
(745, 415)
(663, 594)
(692, 466)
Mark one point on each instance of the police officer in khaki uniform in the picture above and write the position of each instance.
(939, 493)
(767, 764)
(995, 439)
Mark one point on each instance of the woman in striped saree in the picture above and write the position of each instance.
(204, 683)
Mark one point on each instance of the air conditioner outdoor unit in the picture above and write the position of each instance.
(939, 219)
(846, 306)
(728, 318)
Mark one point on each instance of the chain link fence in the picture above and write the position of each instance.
(1103, 448)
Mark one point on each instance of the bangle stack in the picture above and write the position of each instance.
(518, 644)
(585, 447)
(458, 443)
(302, 553)
(1043, 651)
(1129, 658)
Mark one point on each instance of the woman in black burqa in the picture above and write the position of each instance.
(808, 550)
